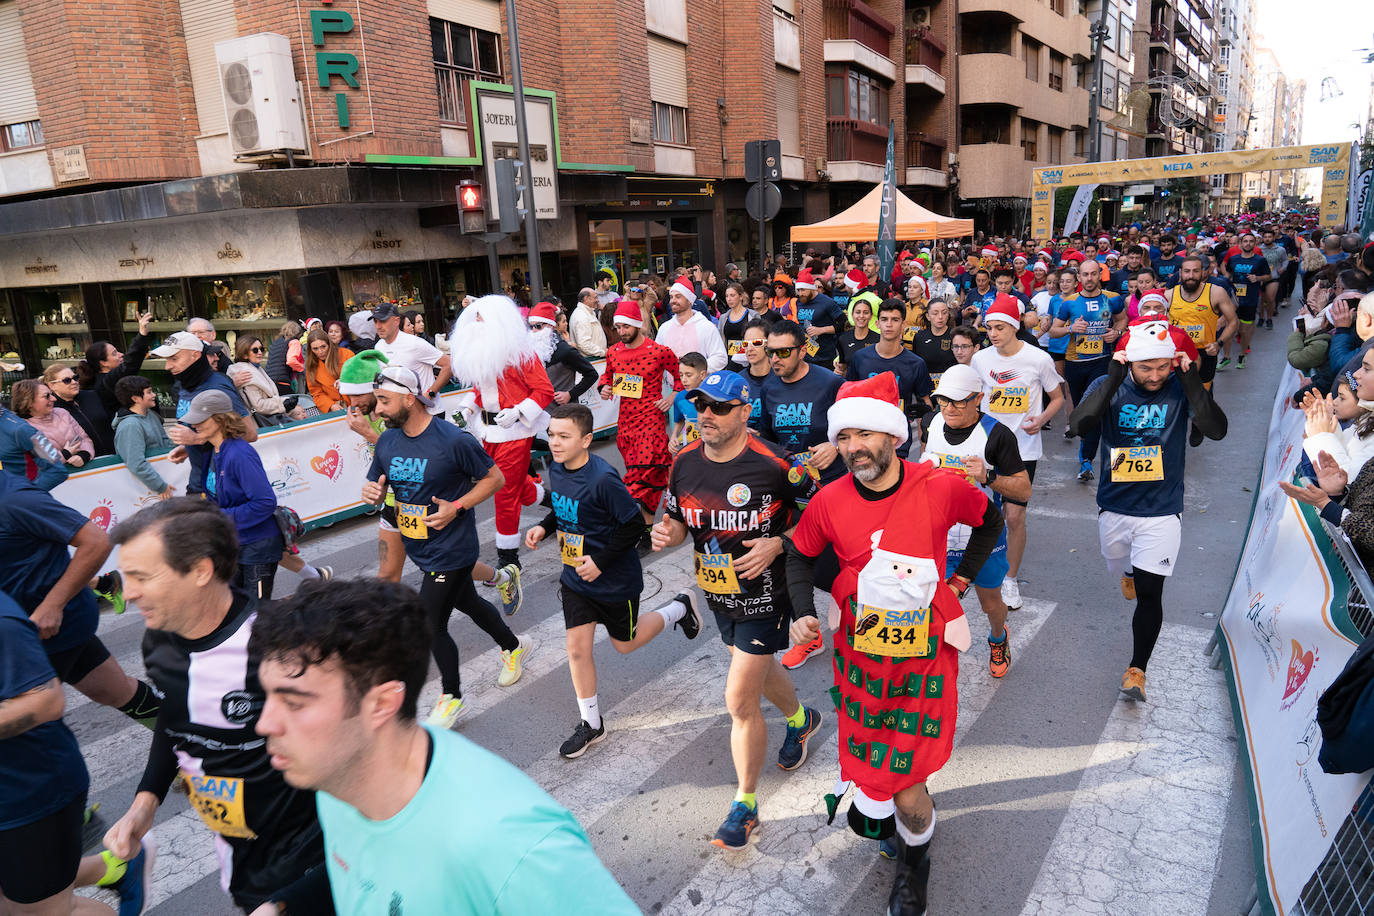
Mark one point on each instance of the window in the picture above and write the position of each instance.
(21, 136)
(1057, 63)
(1030, 50)
(1057, 6)
(670, 124)
(1056, 150)
(1081, 72)
(984, 124)
(855, 95)
(1080, 143)
(461, 54)
(1030, 130)
(1106, 96)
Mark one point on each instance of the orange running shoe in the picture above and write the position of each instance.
(999, 655)
(796, 656)
(1128, 587)
(1133, 684)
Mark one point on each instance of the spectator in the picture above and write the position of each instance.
(104, 365)
(588, 334)
(323, 362)
(689, 331)
(413, 322)
(34, 401)
(284, 358)
(1352, 446)
(192, 375)
(362, 333)
(138, 431)
(338, 334)
(605, 289)
(216, 350)
(259, 392)
(85, 407)
(1354, 328)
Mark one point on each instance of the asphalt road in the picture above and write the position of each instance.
(1059, 798)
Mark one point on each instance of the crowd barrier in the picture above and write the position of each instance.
(1297, 608)
(316, 466)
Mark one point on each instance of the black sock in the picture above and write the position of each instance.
(143, 706)
(1149, 616)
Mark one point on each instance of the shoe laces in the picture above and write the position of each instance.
(739, 814)
(999, 652)
(509, 656)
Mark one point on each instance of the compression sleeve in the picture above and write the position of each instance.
(1087, 415)
(1207, 416)
(801, 577)
(980, 543)
(161, 767)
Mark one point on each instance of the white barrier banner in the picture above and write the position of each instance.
(317, 467)
(1287, 634)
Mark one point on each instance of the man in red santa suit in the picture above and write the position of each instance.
(491, 350)
(899, 623)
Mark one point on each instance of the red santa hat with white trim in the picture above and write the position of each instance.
(871, 404)
(1004, 308)
(856, 280)
(990, 252)
(805, 279)
(682, 287)
(627, 312)
(544, 313)
(1156, 297)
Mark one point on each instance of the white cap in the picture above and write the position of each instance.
(181, 340)
(958, 382)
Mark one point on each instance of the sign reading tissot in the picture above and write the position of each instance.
(495, 106)
(336, 59)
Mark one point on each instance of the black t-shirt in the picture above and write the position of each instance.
(849, 345)
(935, 349)
(1002, 450)
(753, 495)
(755, 395)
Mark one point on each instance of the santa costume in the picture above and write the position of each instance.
(900, 626)
(636, 375)
(491, 350)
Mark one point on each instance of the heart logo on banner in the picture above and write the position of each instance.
(1299, 667)
(328, 464)
(102, 516)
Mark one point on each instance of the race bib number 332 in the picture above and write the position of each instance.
(219, 802)
(897, 634)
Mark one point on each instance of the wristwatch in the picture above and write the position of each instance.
(958, 583)
(430, 394)
(991, 474)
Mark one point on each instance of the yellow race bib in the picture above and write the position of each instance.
(1242, 289)
(570, 548)
(1196, 331)
(219, 802)
(1090, 346)
(812, 348)
(951, 461)
(628, 386)
(733, 347)
(1137, 464)
(690, 433)
(410, 519)
(897, 634)
(716, 574)
(1009, 399)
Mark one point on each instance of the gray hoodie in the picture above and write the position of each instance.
(134, 437)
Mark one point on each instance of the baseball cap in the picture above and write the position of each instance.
(384, 310)
(181, 340)
(722, 387)
(958, 382)
(205, 405)
(402, 381)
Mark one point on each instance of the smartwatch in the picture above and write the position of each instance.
(991, 474)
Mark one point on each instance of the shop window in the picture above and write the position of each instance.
(24, 135)
(402, 284)
(670, 124)
(165, 301)
(461, 54)
(58, 316)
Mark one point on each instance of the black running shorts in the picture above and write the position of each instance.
(618, 617)
(39, 860)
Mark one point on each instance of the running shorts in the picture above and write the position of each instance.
(1147, 544)
(39, 860)
(618, 617)
(72, 665)
(755, 636)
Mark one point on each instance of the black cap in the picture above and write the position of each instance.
(384, 310)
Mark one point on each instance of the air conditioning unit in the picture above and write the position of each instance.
(262, 103)
(919, 16)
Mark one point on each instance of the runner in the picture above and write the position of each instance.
(987, 452)
(1168, 264)
(1249, 271)
(1277, 256)
(795, 401)
(439, 474)
(755, 371)
(735, 494)
(598, 524)
(178, 557)
(1143, 406)
(635, 369)
(822, 318)
(933, 342)
(1015, 377)
(1195, 306)
(898, 626)
(416, 819)
(888, 355)
(1093, 320)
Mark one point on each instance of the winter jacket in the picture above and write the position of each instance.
(242, 490)
(1350, 451)
(27, 453)
(1309, 354)
(277, 366)
(260, 394)
(104, 384)
(90, 412)
(135, 436)
(64, 432)
(321, 384)
(1346, 351)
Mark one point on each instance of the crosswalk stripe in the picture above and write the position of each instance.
(1160, 771)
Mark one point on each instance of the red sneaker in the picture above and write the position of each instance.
(796, 656)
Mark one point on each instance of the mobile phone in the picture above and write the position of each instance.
(1301, 324)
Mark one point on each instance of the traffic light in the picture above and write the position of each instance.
(472, 206)
(510, 190)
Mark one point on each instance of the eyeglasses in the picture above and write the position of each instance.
(959, 346)
(941, 401)
(779, 352)
(719, 408)
(752, 344)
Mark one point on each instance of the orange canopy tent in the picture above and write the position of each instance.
(860, 222)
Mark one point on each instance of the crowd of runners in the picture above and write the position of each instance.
(834, 426)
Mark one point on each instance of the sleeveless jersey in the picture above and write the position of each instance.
(1198, 318)
(942, 453)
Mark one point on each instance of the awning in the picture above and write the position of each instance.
(860, 222)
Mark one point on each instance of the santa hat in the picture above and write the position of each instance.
(989, 252)
(627, 312)
(680, 286)
(544, 313)
(805, 280)
(1103, 240)
(1150, 340)
(707, 294)
(868, 404)
(357, 374)
(1004, 308)
(1019, 257)
(1040, 267)
(1156, 296)
(856, 280)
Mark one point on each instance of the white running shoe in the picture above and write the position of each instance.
(446, 711)
(1011, 594)
(513, 663)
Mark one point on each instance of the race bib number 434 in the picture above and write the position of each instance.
(1137, 464)
(897, 634)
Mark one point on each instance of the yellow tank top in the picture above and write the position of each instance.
(1198, 318)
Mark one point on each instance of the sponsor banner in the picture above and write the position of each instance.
(317, 467)
(1286, 634)
(1133, 170)
(1078, 209)
(1359, 200)
(1042, 214)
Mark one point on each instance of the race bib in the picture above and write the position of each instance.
(1090, 346)
(951, 461)
(935, 378)
(812, 348)
(733, 347)
(410, 519)
(219, 802)
(1008, 400)
(716, 574)
(690, 433)
(896, 634)
(1137, 464)
(628, 386)
(1196, 331)
(570, 548)
(1242, 289)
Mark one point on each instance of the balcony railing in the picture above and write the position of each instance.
(851, 140)
(923, 49)
(925, 152)
(857, 21)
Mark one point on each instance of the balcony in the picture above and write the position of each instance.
(993, 170)
(925, 60)
(856, 150)
(1068, 36)
(855, 20)
(925, 160)
(992, 79)
(857, 54)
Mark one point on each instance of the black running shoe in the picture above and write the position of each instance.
(691, 621)
(583, 737)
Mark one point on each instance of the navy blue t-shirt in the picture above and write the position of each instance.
(913, 379)
(442, 461)
(1139, 419)
(35, 530)
(755, 396)
(1242, 270)
(41, 770)
(1167, 269)
(592, 501)
(821, 312)
(794, 414)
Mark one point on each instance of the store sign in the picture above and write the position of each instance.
(496, 122)
(39, 266)
(340, 55)
(379, 242)
(229, 253)
(69, 163)
(134, 259)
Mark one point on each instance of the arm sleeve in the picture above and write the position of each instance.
(586, 372)
(550, 523)
(132, 450)
(1087, 415)
(621, 540)
(83, 441)
(801, 579)
(981, 542)
(161, 767)
(133, 361)
(1207, 416)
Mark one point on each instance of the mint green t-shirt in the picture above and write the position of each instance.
(479, 837)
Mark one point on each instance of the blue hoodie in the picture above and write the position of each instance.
(27, 453)
(240, 487)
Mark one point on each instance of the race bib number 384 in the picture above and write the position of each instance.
(897, 634)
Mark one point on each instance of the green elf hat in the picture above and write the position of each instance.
(358, 374)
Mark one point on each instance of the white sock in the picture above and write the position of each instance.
(500, 577)
(591, 714)
(309, 572)
(913, 839)
(671, 613)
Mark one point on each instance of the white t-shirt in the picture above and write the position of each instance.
(1012, 388)
(1040, 303)
(413, 353)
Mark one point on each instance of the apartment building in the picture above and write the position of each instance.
(1175, 52)
(1277, 121)
(1235, 88)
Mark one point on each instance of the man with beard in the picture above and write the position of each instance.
(491, 349)
(900, 626)
(1143, 407)
(1169, 262)
(414, 353)
(1195, 306)
(439, 475)
(1249, 271)
(821, 316)
(192, 374)
(634, 371)
(689, 331)
(1093, 320)
(570, 373)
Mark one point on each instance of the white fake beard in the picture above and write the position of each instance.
(545, 339)
(481, 351)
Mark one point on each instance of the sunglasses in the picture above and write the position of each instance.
(752, 344)
(66, 379)
(719, 408)
(256, 350)
(780, 352)
(942, 401)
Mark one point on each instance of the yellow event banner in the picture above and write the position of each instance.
(1333, 158)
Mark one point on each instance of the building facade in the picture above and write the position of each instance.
(1235, 84)
(1175, 52)
(1277, 121)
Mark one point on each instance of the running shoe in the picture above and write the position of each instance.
(792, 754)
(512, 592)
(1085, 470)
(583, 737)
(739, 823)
(796, 656)
(1128, 587)
(138, 877)
(513, 663)
(1240, 361)
(1225, 363)
(1133, 684)
(446, 711)
(887, 848)
(1011, 594)
(93, 828)
(326, 572)
(690, 622)
(999, 654)
(1269, 324)
(1068, 434)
